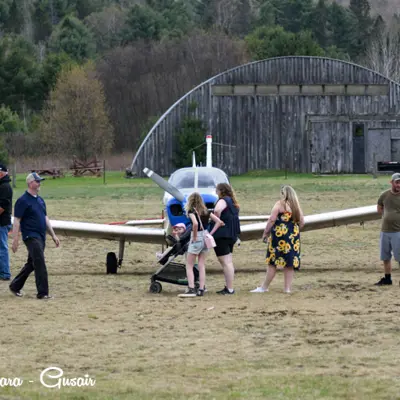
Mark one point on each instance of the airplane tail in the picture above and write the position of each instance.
(209, 155)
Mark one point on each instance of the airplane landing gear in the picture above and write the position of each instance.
(112, 262)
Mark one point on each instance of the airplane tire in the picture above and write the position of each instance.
(155, 287)
(111, 263)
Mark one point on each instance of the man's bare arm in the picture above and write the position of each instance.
(51, 232)
(15, 233)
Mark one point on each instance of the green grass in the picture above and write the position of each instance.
(117, 186)
(274, 387)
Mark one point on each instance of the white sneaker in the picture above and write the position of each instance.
(287, 291)
(259, 289)
(189, 292)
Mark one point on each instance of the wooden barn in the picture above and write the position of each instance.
(306, 114)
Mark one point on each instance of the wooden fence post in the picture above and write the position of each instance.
(14, 175)
(374, 166)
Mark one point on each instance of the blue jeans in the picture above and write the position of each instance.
(4, 257)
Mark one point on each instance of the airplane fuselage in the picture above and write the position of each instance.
(203, 180)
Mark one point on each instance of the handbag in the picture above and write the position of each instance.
(209, 240)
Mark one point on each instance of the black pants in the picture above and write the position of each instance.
(35, 263)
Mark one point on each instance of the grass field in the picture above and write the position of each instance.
(335, 337)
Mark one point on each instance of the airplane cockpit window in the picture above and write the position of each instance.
(207, 178)
(206, 181)
(185, 181)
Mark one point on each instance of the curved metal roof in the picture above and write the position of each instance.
(326, 70)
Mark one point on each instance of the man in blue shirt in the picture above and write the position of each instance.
(30, 215)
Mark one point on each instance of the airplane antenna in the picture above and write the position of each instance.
(194, 160)
(196, 173)
(209, 155)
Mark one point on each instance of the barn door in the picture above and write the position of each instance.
(330, 144)
(395, 147)
(378, 147)
(358, 149)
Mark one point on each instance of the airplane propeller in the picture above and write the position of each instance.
(173, 191)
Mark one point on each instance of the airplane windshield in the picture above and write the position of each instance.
(208, 178)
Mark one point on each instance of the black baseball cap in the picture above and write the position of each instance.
(3, 168)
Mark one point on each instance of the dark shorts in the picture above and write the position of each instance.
(224, 246)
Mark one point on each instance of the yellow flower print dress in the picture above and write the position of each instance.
(284, 243)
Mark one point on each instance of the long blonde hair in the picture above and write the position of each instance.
(195, 202)
(226, 190)
(289, 196)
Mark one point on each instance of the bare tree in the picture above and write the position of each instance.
(106, 26)
(383, 52)
(75, 122)
(226, 14)
(143, 80)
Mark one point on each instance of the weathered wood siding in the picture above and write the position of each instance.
(287, 112)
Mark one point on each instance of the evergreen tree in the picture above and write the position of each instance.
(20, 75)
(52, 66)
(343, 28)
(267, 14)
(266, 42)
(176, 19)
(189, 138)
(361, 10)
(48, 13)
(292, 15)
(86, 7)
(9, 123)
(305, 45)
(204, 15)
(73, 38)
(5, 7)
(319, 23)
(143, 23)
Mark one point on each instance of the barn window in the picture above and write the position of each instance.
(358, 130)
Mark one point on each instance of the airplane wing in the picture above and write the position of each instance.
(141, 222)
(319, 221)
(249, 231)
(160, 221)
(109, 232)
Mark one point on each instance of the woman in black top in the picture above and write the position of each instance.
(199, 217)
(227, 209)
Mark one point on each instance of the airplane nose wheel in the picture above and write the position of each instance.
(155, 287)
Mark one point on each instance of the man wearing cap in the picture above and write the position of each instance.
(30, 215)
(389, 208)
(6, 194)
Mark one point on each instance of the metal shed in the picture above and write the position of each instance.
(306, 114)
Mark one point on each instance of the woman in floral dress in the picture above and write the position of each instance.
(282, 234)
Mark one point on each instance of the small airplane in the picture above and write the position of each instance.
(179, 186)
(185, 181)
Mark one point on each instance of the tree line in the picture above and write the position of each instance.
(84, 77)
